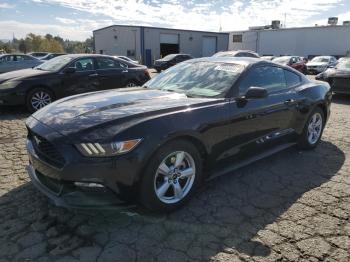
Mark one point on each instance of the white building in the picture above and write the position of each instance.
(304, 41)
(147, 44)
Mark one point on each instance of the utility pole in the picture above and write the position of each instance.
(285, 20)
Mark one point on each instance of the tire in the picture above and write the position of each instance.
(155, 181)
(42, 96)
(131, 84)
(308, 141)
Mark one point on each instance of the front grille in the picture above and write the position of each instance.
(47, 151)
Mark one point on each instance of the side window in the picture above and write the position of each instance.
(249, 55)
(84, 64)
(269, 77)
(107, 63)
(292, 79)
(8, 58)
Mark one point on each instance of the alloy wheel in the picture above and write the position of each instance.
(40, 99)
(131, 85)
(174, 177)
(314, 128)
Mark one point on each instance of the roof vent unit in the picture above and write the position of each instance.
(346, 23)
(276, 24)
(333, 21)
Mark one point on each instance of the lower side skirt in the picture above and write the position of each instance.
(247, 161)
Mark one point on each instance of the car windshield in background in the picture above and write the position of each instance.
(168, 57)
(198, 79)
(344, 64)
(320, 59)
(281, 60)
(55, 64)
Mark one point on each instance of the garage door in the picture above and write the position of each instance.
(209, 46)
(169, 38)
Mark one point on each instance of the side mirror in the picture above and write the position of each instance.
(69, 70)
(256, 92)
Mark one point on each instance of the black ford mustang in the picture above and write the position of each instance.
(68, 75)
(198, 120)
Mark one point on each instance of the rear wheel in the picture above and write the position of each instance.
(38, 98)
(313, 130)
(171, 177)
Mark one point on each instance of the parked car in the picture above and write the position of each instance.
(68, 75)
(11, 62)
(269, 58)
(320, 63)
(128, 59)
(157, 143)
(169, 61)
(295, 62)
(338, 77)
(38, 55)
(239, 53)
(51, 55)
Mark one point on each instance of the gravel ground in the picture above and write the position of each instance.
(293, 206)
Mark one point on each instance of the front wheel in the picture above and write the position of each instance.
(313, 130)
(171, 177)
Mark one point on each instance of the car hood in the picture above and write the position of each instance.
(22, 74)
(123, 108)
(317, 64)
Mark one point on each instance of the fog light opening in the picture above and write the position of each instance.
(87, 184)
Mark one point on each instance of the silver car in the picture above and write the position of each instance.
(11, 62)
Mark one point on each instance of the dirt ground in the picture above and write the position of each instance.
(293, 206)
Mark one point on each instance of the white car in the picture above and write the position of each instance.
(320, 64)
(128, 59)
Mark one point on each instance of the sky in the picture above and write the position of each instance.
(76, 19)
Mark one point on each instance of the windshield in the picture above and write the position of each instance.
(198, 79)
(282, 60)
(168, 57)
(344, 64)
(320, 59)
(55, 64)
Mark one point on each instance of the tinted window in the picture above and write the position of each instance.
(270, 77)
(248, 55)
(23, 57)
(107, 63)
(292, 79)
(8, 58)
(84, 64)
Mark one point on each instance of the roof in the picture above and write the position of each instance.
(245, 61)
(161, 28)
(291, 28)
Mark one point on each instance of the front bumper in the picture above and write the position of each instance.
(113, 174)
(315, 70)
(66, 194)
(11, 97)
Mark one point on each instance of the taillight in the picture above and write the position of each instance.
(147, 73)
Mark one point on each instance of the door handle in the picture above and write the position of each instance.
(125, 71)
(93, 75)
(289, 102)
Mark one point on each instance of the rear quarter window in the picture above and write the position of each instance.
(292, 79)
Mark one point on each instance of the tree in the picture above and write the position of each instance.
(22, 46)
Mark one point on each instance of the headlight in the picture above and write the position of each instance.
(9, 84)
(105, 150)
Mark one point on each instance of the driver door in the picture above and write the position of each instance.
(257, 124)
(84, 79)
